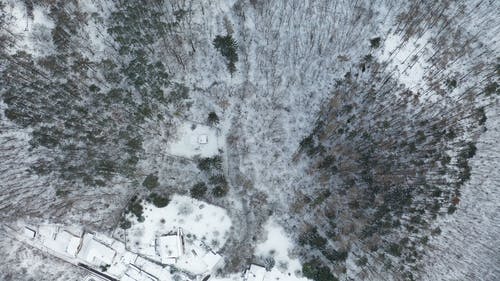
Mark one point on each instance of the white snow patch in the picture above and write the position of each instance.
(32, 34)
(278, 245)
(408, 59)
(195, 139)
(206, 222)
(206, 230)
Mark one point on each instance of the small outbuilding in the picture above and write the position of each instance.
(203, 139)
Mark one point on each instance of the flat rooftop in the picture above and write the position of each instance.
(95, 252)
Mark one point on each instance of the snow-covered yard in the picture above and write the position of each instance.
(205, 229)
(195, 139)
(278, 246)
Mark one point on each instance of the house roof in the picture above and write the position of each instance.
(127, 278)
(255, 273)
(47, 232)
(168, 246)
(211, 259)
(95, 252)
(73, 245)
(92, 277)
(28, 232)
(58, 240)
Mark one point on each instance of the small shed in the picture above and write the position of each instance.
(203, 139)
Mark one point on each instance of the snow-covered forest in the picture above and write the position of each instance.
(367, 129)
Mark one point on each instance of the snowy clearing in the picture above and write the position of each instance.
(278, 246)
(31, 31)
(195, 139)
(407, 59)
(205, 227)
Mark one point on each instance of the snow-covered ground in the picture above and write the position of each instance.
(203, 221)
(96, 250)
(205, 227)
(30, 31)
(291, 54)
(193, 139)
(468, 247)
(278, 246)
(407, 59)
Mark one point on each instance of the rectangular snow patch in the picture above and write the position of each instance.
(194, 139)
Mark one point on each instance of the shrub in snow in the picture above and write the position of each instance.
(220, 190)
(150, 182)
(375, 42)
(135, 207)
(212, 118)
(125, 224)
(210, 163)
(315, 270)
(159, 201)
(220, 185)
(394, 249)
(269, 263)
(198, 190)
(362, 261)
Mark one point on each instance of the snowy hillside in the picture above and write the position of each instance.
(318, 140)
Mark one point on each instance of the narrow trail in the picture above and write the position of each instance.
(247, 221)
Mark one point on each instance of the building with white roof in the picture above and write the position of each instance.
(211, 259)
(95, 252)
(121, 262)
(127, 278)
(60, 241)
(47, 232)
(73, 245)
(104, 257)
(255, 273)
(170, 247)
(154, 269)
(29, 232)
(202, 139)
